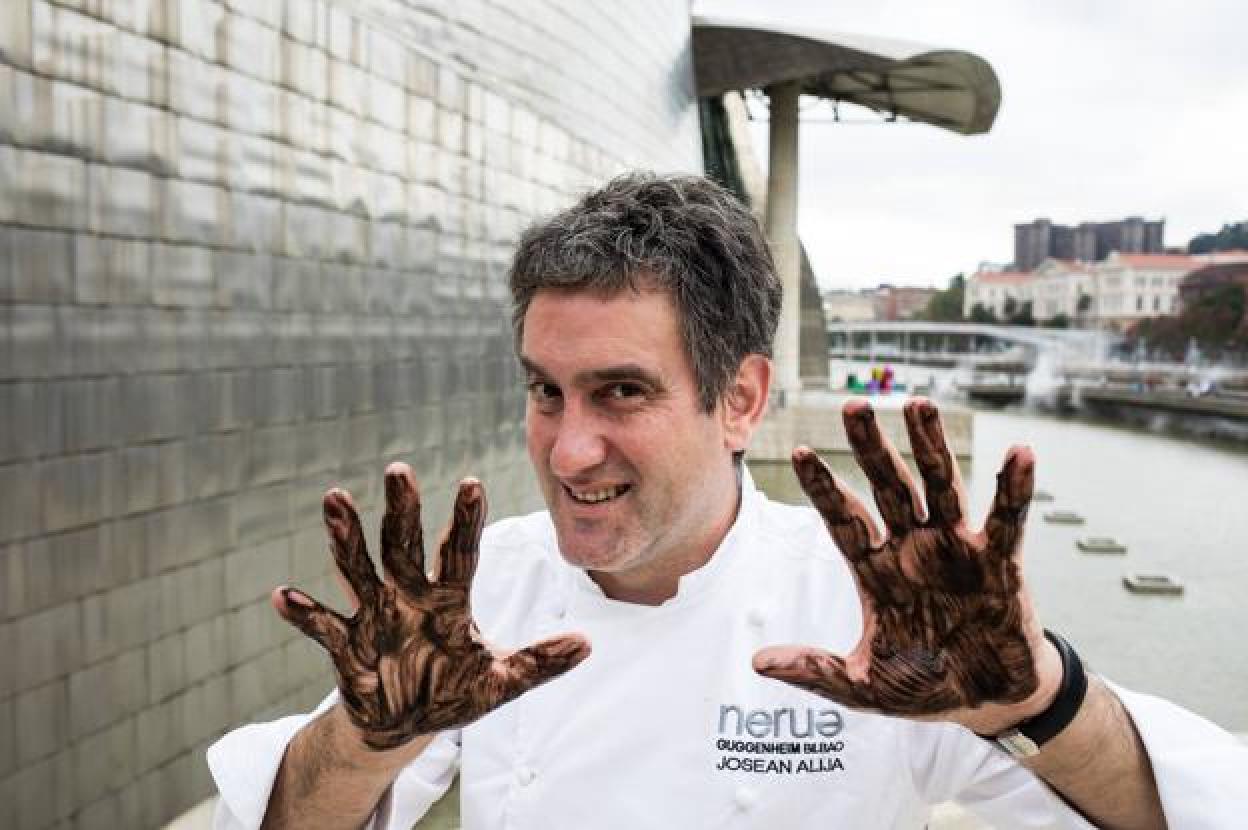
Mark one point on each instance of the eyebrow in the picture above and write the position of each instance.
(624, 371)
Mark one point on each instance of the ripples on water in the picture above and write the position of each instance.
(1179, 506)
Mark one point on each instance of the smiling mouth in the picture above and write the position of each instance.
(599, 496)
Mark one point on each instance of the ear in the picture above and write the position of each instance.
(745, 401)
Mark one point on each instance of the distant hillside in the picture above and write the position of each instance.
(1231, 237)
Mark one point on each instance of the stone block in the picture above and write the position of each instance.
(200, 150)
(451, 92)
(33, 421)
(192, 595)
(140, 71)
(182, 276)
(244, 280)
(41, 791)
(119, 620)
(122, 202)
(92, 413)
(255, 684)
(306, 21)
(56, 116)
(386, 150)
(190, 533)
(106, 693)
(42, 727)
(422, 119)
(40, 265)
(158, 406)
(255, 222)
(166, 667)
(196, 87)
(159, 735)
(205, 709)
(305, 231)
(348, 85)
(263, 513)
(270, 455)
(15, 32)
(111, 271)
(345, 34)
(8, 741)
(47, 645)
(305, 69)
(256, 628)
(49, 191)
(305, 122)
(270, 13)
(206, 464)
(197, 26)
(105, 761)
(253, 164)
(386, 103)
(137, 135)
(251, 47)
(251, 106)
(253, 572)
(194, 212)
(348, 238)
(207, 648)
(9, 671)
(76, 489)
(307, 177)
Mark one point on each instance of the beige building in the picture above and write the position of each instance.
(1133, 287)
(992, 289)
(849, 306)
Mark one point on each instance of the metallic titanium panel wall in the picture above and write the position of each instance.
(249, 249)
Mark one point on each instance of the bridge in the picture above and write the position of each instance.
(950, 344)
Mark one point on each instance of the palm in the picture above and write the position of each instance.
(410, 661)
(946, 627)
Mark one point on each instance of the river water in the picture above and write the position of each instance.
(1180, 507)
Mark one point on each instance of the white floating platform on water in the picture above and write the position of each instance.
(1152, 583)
(1063, 517)
(1100, 544)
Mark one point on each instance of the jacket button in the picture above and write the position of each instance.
(756, 617)
(745, 798)
(525, 776)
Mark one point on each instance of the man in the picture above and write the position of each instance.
(644, 319)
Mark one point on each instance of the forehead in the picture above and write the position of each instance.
(589, 328)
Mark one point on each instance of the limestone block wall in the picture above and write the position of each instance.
(250, 249)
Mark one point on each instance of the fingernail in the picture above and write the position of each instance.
(291, 595)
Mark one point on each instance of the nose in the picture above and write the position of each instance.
(579, 444)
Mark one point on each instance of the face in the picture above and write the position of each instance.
(637, 477)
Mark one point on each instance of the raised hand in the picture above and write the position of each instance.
(410, 661)
(948, 632)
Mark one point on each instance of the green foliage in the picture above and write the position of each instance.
(945, 306)
(1231, 237)
(1057, 321)
(981, 314)
(1021, 317)
(1215, 323)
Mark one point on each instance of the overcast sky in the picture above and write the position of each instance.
(1109, 108)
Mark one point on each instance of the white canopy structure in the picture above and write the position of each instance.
(943, 87)
(949, 89)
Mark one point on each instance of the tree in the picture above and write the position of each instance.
(945, 306)
(1231, 237)
(1058, 321)
(1216, 322)
(1023, 317)
(982, 314)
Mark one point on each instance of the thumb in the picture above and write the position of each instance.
(532, 666)
(812, 669)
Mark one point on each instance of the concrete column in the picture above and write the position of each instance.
(781, 223)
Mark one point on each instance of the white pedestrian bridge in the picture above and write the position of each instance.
(932, 343)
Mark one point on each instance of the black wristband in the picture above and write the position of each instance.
(1026, 738)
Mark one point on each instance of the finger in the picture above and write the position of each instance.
(402, 543)
(346, 537)
(942, 481)
(457, 555)
(535, 665)
(847, 518)
(315, 620)
(1003, 529)
(894, 489)
(814, 670)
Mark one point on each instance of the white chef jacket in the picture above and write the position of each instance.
(667, 725)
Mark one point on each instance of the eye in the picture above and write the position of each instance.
(623, 391)
(544, 395)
